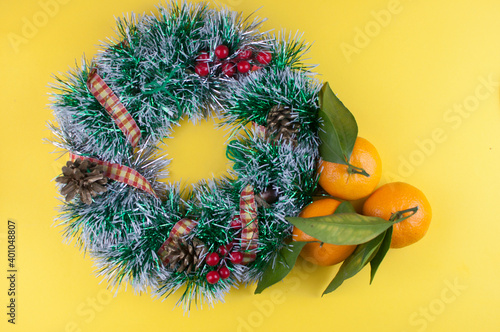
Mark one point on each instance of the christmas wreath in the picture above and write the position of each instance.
(190, 61)
(195, 62)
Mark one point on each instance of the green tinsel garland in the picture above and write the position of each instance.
(154, 77)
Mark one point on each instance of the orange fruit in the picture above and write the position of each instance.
(400, 196)
(339, 182)
(324, 254)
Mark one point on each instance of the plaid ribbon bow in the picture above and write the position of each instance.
(108, 99)
(121, 174)
(182, 227)
(250, 227)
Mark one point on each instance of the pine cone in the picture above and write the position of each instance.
(188, 256)
(281, 124)
(82, 177)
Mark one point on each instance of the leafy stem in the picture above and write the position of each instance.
(338, 129)
(371, 235)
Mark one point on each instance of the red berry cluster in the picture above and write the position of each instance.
(220, 257)
(240, 62)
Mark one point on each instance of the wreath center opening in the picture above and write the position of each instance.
(196, 152)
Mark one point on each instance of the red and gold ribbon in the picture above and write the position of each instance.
(250, 226)
(108, 99)
(121, 174)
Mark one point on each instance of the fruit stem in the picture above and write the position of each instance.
(400, 214)
(356, 170)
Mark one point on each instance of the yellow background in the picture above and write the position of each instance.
(404, 68)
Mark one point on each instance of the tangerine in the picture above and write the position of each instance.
(345, 182)
(399, 196)
(324, 254)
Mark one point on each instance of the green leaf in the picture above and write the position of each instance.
(279, 267)
(355, 263)
(342, 228)
(345, 207)
(379, 257)
(339, 129)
